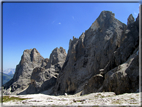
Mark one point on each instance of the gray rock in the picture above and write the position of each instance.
(130, 19)
(107, 44)
(45, 62)
(93, 84)
(58, 55)
(35, 74)
(103, 58)
(124, 78)
(43, 78)
(29, 60)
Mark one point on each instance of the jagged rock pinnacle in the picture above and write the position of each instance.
(130, 19)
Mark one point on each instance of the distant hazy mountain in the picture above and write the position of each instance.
(6, 77)
(9, 71)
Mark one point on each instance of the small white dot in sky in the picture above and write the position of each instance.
(73, 17)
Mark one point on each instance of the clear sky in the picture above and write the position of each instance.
(45, 26)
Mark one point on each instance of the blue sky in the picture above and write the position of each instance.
(45, 26)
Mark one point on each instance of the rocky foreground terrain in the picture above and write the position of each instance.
(93, 99)
(105, 58)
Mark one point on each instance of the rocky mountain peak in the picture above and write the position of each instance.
(31, 51)
(34, 51)
(102, 47)
(57, 55)
(104, 58)
(105, 19)
(106, 14)
(35, 55)
(30, 59)
(31, 55)
(62, 50)
(130, 19)
(44, 77)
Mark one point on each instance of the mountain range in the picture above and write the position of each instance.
(6, 77)
(105, 58)
(9, 71)
(7, 74)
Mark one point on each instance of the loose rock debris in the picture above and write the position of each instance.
(103, 98)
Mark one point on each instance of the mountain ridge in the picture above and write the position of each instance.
(103, 58)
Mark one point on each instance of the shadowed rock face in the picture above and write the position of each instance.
(124, 78)
(107, 44)
(45, 77)
(130, 19)
(41, 80)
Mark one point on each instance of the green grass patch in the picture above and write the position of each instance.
(9, 98)
(0, 99)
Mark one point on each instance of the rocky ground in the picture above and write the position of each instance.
(93, 99)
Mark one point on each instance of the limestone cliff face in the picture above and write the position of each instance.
(44, 77)
(29, 60)
(104, 58)
(35, 74)
(107, 44)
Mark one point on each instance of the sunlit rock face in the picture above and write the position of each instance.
(104, 58)
(35, 74)
(30, 59)
(105, 46)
